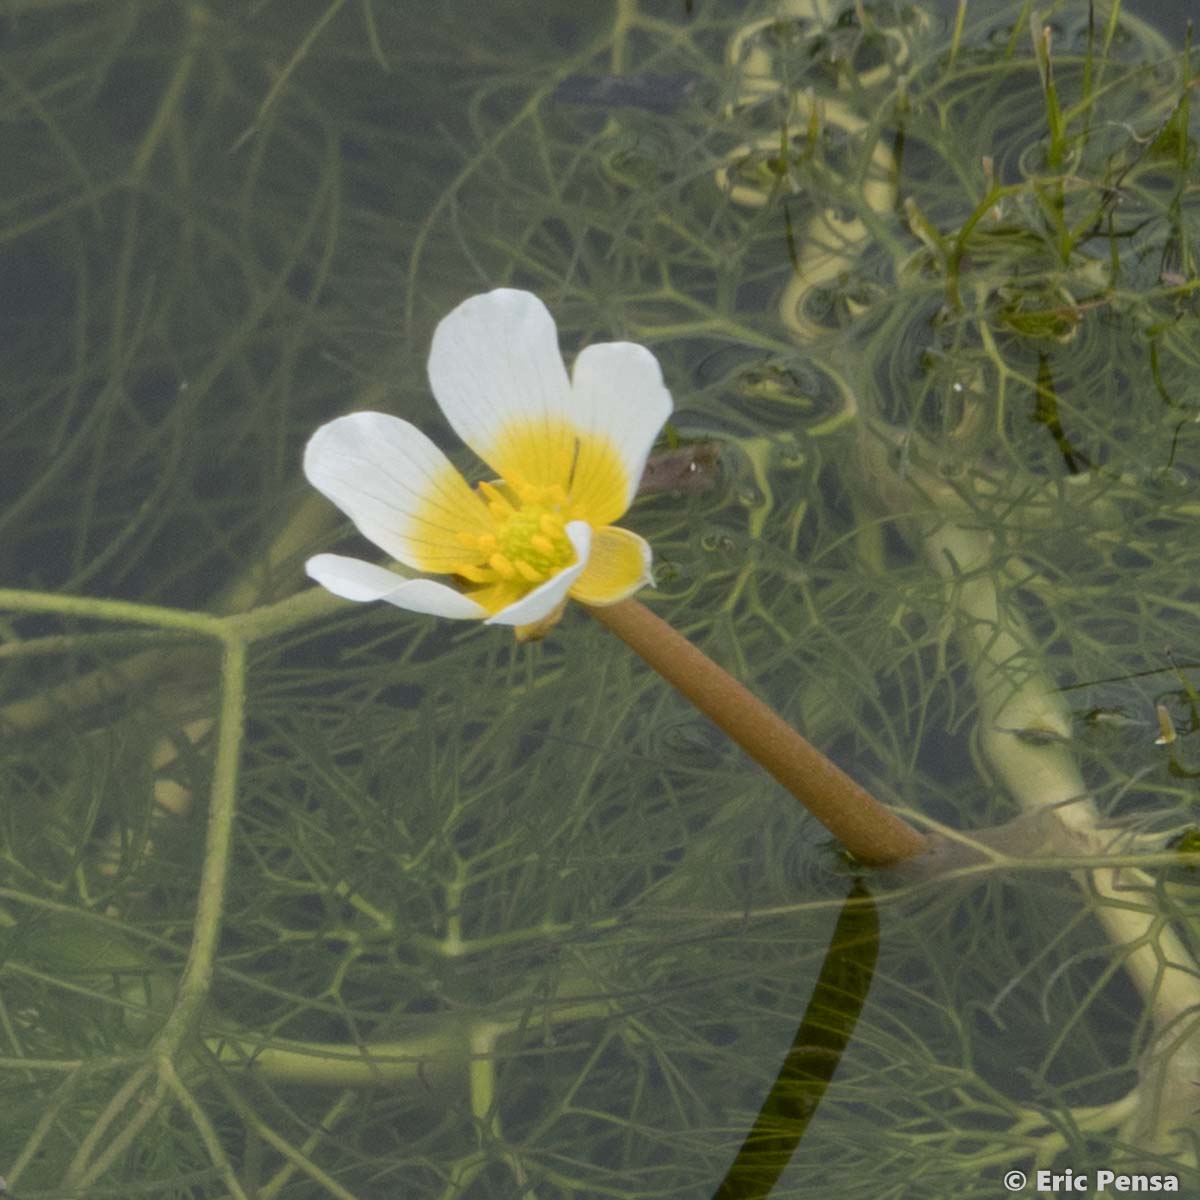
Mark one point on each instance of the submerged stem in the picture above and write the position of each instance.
(872, 833)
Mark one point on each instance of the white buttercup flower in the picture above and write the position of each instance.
(568, 452)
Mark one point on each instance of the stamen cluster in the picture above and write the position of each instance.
(528, 541)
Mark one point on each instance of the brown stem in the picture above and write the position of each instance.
(872, 833)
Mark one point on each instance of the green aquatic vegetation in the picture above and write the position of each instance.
(303, 901)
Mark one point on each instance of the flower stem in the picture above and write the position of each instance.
(872, 833)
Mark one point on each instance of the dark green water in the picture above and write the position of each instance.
(514, 921)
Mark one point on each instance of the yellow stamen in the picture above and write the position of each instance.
(526, 545)
(527, 572)
(495, 498)
(502, 566)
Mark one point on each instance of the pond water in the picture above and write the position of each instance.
(302, 898)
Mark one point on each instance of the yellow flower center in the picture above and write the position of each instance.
(528, 542)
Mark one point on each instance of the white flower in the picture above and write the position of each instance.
(569, 453)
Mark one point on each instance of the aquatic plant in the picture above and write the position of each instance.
(569, 454)
(302, 898)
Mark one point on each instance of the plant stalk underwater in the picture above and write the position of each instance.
(874, 834)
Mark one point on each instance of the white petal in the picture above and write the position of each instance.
(618, 566)
(546, 597)
(619, 396)
(353, 579)
(495, 362)
(398, 488)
